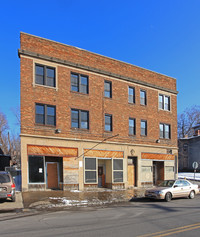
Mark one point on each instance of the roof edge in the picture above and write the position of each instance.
(97, 54)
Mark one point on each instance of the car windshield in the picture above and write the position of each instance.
(167, 183)
(4, 178)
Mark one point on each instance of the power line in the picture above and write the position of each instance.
(95, 146)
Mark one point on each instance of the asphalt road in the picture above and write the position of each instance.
(180, 217)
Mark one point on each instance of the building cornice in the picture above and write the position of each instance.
(92, 69)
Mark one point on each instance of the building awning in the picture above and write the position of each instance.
(52, 151)
(155, 156)
(103, 153)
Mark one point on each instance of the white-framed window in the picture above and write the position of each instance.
(90, 170)
(164, 102)
(165, 132)
(118, 171)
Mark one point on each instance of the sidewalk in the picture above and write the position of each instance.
(41, 200)
(6, 206)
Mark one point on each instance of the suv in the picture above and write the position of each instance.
(7, 186)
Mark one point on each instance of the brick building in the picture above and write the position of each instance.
(91, 121)
(189, 150)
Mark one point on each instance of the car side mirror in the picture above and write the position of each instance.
(175, 186)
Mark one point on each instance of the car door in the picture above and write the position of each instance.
(177, 190)
(186, 188)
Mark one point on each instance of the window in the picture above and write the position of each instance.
(131, 126)
(45, 75)
(108, 122)
(118, 170)
(131, 95)
(36, 169)
(143, 127)
(45, 114)
(90, 170)
(79, 119)
(108, 89)
(79, 83)
(143, 99)
(164, 102)
(164, 131)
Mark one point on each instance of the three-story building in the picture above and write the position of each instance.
(90, 121)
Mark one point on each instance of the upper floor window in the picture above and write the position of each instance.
(108, 89)
(45, 75)
(131, 126)
(164, 131)
(79, 119)
(143, 128)
(131, 95)
(45, 114)
(164, 102)
(108, 122)
(79, 83)
(143, 97)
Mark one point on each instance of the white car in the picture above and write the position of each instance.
(169, 189)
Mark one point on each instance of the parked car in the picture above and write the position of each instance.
(169, 189)
(7, 186)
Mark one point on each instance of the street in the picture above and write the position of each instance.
(180, 217)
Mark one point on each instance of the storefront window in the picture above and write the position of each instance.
(118, 170)
(36, 169)
(90, 170)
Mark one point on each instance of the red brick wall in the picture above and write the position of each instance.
(94, 102)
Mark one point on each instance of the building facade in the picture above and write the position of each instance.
(90, 121)
(189, 151)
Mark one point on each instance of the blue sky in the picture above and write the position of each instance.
(160, 35)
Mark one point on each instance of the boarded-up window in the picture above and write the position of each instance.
(146, 174)
(90, 170)
(169, 169)
(118, 170)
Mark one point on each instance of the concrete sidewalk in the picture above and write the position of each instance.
(7, 205)
(74, 198)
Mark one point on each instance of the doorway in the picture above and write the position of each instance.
(158, 172)
(101, 177)
(52, 175)
(132, 171)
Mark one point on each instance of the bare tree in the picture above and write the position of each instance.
(187, 120)
(3, 133)
(9, 143)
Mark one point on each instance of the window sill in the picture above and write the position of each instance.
(80, 130)
(79, 93)
(45, 125)
(48, 87)
(166, 110)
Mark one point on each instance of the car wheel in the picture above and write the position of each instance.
(13, 198)
(168, 197)
(191, 195)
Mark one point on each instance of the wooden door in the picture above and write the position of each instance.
(131, 175)
(52, 175)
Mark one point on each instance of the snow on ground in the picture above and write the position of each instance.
(189, 176)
